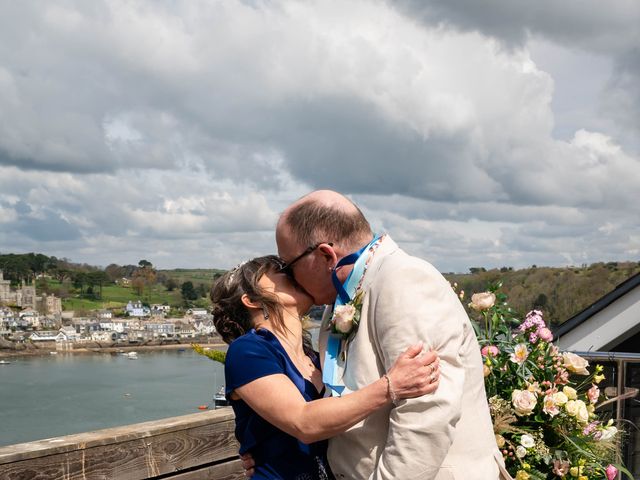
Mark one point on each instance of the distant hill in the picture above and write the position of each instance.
(559, 292)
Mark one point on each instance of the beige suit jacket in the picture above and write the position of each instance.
(443, 436)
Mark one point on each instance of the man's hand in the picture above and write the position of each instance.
(248, 464)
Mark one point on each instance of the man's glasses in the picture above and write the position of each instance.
(287, 267)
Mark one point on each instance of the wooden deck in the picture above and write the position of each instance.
(190, 447)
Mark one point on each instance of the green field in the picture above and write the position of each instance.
(195, 275)
(116, 296)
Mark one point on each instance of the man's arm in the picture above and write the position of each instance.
(415, 303)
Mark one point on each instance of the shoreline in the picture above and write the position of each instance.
(37, 352)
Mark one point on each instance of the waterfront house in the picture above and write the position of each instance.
(197, 312)
(137, 309)
(68, 334)
(30, 316)
(160, 329)
(44, 336)
(104, 336)
(204, 327)
(161, 310)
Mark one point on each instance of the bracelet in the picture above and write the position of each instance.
(390, 392)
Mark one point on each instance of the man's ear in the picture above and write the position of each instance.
(328, 254)
(246, 301)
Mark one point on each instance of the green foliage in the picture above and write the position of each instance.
(215, 355)
(542, 418)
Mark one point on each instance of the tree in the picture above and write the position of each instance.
(145, 264)
(188, 292)
(171, 284)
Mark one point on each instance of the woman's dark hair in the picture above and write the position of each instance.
(230, 316)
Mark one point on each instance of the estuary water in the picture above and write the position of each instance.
(42, 397)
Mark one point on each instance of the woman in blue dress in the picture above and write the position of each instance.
(273, 377)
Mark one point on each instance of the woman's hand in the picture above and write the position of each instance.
(415, 373)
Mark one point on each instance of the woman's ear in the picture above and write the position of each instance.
(246, 301)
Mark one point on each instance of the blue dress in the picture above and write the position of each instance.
(277, 454)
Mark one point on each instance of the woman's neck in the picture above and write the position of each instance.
(290, 334)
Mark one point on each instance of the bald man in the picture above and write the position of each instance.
(330, 250)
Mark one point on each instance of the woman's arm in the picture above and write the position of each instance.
(276, 399)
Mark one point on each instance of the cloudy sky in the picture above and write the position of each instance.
(494, 133)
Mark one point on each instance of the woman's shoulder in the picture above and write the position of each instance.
(252, 343)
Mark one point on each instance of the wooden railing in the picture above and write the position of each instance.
(190, 447)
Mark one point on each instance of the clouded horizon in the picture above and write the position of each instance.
(493, 134)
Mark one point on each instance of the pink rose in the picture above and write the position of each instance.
(611, 472)
(343, 318)
(490, 351)
(545, 334)
(523, 402)
(561, 467)
(593, 394)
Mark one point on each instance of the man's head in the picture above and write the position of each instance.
(314, 233)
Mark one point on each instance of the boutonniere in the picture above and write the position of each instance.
(345, 321)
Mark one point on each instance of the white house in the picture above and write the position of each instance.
(197, 312)
(612, 324)
(105, 314)
(104, 336)
(30, 316)
(157, 309)
(204, 327)
(136, 309)
(67, 334)
(161, 329)
(44, 336)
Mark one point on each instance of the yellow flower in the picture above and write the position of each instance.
(560, 398)
(598, 378)
(522, 475)
(570, 393)
(500, 441)
(574, 471)
(599, 368)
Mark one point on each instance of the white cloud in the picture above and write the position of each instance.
(175, 127)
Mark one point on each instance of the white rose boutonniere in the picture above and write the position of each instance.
(345, 321)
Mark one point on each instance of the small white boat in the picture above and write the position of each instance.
(5, 362)
(53, 353)
(132, 355)
(220, 399)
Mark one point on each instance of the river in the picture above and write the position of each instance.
(42, 397)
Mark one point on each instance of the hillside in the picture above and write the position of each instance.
(559, 292)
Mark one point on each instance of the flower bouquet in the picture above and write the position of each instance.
(542, 401)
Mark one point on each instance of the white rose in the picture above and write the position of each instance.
(523, 401)
(343, 318)
(575, 363)
(582, 415)
(527, 441)
(521, 451)
(570, 393)
(560, 398)
(482, 301)
(571, 407)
